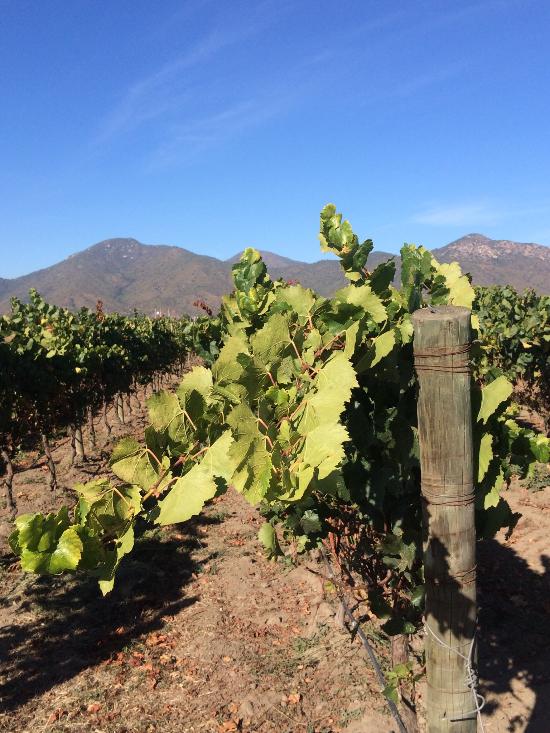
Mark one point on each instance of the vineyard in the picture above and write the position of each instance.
(305, 405)
(59, 369)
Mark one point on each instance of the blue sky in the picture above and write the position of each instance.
(218, 125)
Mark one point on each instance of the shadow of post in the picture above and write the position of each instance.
(514, 617)
(514, 630)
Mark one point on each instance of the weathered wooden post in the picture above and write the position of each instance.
(441, 352)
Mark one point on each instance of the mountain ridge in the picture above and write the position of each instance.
(126, 274)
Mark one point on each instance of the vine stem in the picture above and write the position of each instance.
(189, 418)
(271, 378)
(154, 490)
(8, 481)
(124, 499)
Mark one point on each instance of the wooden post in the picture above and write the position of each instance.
(441, 351)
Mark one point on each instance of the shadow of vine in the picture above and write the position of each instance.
(68, 626)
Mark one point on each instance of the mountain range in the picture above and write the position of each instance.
(126, 274)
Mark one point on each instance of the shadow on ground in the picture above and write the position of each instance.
(72, 627)
(514, 613)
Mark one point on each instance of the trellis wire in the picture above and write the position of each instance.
(356, 628)
(471, 677)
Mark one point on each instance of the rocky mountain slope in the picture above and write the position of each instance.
(500, 262)
(126, 274)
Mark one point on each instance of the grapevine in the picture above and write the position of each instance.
(59, 368)
(309, 411)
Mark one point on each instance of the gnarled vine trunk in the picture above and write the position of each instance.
(77, 445)
(106, 422)
(119, 408)
(400, 655)
(8, 482)
(91, 429)
(52, 474)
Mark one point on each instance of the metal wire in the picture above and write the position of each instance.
(434, 359)
(471, 677)
(356, 628)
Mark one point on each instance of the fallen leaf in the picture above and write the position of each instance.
(56, 715)
(229, 725)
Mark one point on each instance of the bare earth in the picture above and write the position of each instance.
(203, 634)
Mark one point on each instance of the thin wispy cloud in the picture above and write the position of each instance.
(165, 101)
(477, 213)
(423, 81)
(168, 88)
(186, 141)
(457, 215)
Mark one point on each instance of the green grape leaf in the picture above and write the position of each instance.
(323, 448)
(363, 297)
(93, 490)
(460, 289)
(226, 368)
(271, 340)
(301, 300)
(406, 329)
(268, 538)
(132, 464)
(106, 573)
(35, 562)
(199, 379)
(492, 498)
(382, 276)
(248, 454)
(390, 692)
(163, 408)
(540, 448)
(351, 339)
(492, 395)
(380, 347)
(331, 391)
(310, 522)
(485, 455)
(68, 552)
(201, 483)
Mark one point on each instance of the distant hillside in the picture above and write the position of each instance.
(500, 261)
(126, 274)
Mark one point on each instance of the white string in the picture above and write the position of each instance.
(471, 676)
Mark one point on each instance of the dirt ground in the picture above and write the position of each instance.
(202, 633)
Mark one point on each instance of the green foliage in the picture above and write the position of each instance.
(57, 364)
(309, 410)
(268, 537)
(395, 677)
(514, 334)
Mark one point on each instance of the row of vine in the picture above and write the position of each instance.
(59, 368)
(309, 410)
